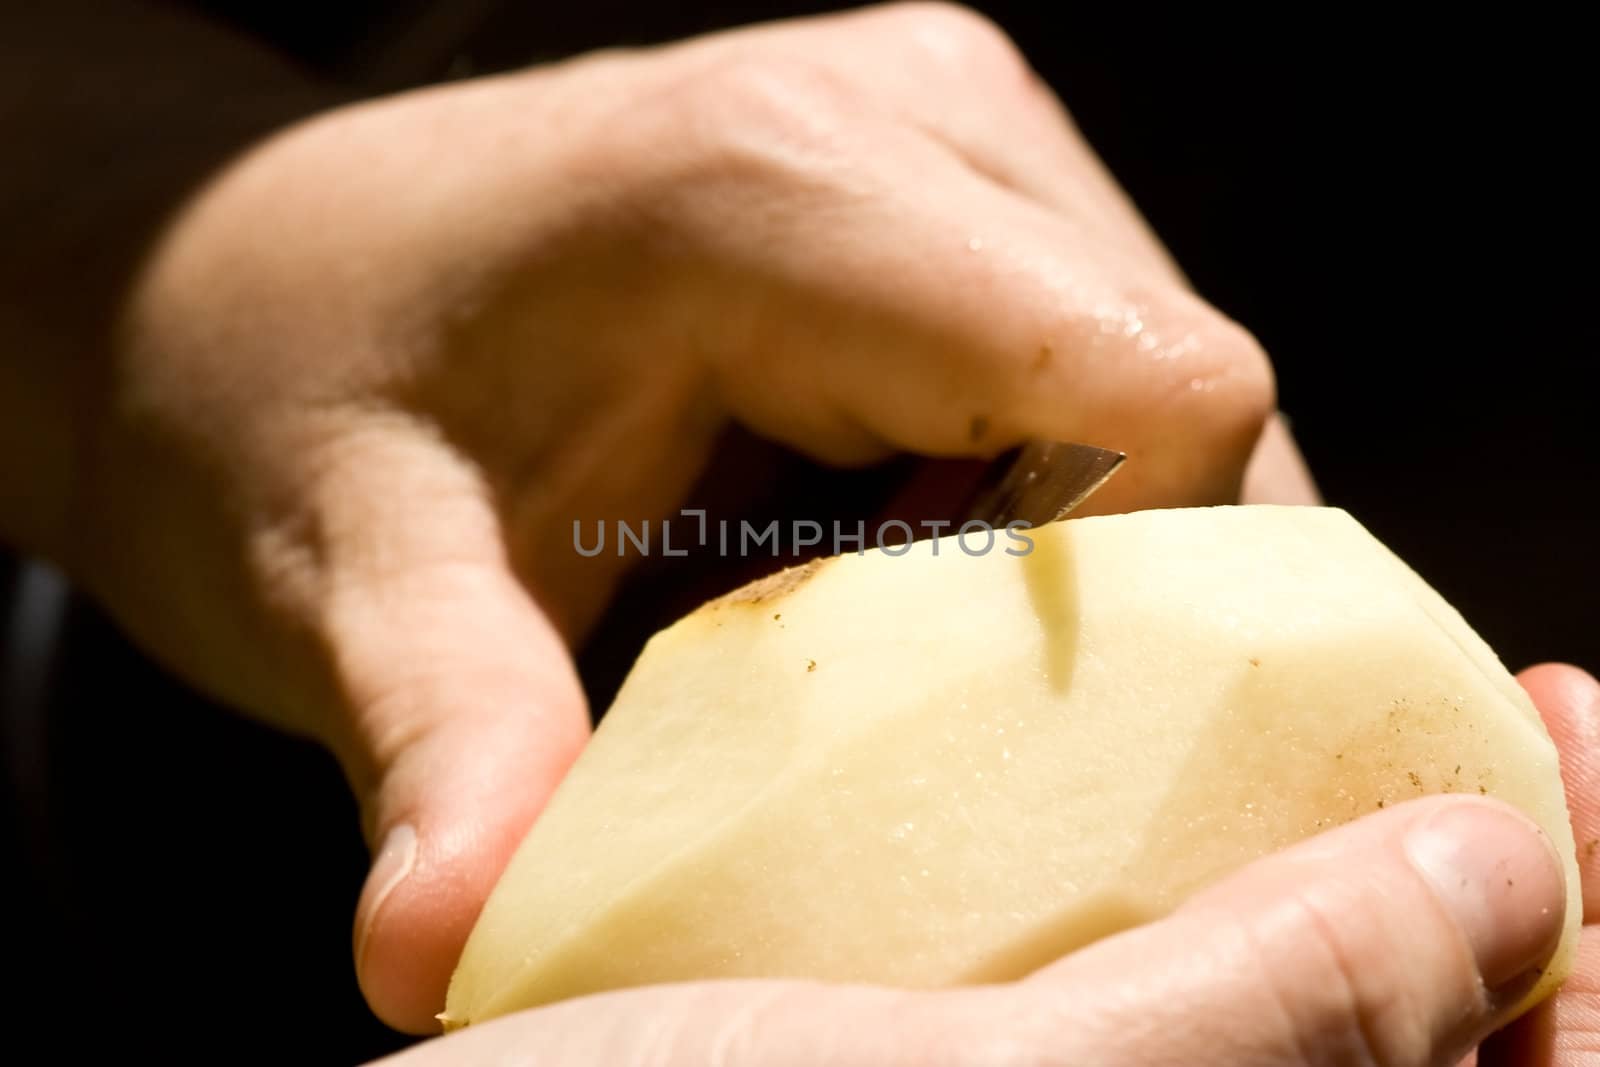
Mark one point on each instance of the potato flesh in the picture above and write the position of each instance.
(928, 770)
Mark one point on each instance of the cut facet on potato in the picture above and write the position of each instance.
(926, 770)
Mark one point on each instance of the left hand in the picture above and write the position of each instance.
(1287, 963)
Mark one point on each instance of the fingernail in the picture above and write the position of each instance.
(1500, 879)
(389, 868)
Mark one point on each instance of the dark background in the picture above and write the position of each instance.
(1396, 208)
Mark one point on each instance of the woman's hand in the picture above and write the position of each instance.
(371, 374)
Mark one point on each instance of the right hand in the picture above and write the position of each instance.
(376, 367)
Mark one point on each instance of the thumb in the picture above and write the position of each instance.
(463, 712)
(1401, 939)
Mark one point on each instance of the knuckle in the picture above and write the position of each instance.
(756, 134)
(1243, 367)
(1221, 377)
(957, 36)
(1194, 396)
(768, 109)
(1321, 1003)
(751, 145)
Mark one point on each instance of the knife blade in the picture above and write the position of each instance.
(1041, 482)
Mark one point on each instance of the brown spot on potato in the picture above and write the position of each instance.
(811, 665)
(772, 586)
(1043, 358)
(978, 428)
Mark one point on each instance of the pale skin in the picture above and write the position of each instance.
(369, 372)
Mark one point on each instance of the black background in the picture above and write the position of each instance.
(1396, 208)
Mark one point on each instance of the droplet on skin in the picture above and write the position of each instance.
(1189, 343)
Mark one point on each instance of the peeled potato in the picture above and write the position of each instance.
(932, 769)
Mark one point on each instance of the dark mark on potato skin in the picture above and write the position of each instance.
(978, 428)
(771, 587)
(811, 665)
